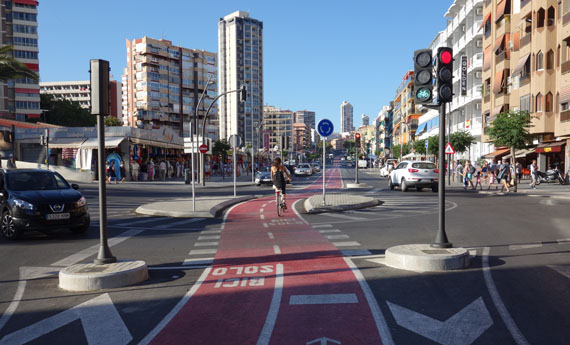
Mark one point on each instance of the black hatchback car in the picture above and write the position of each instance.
(41, 200)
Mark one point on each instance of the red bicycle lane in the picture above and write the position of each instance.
(275, 280)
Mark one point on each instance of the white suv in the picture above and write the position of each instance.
(417, 174)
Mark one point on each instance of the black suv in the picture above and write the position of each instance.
(41, 200)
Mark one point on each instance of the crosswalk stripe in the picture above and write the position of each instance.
(355, 252)
(524, 246)
(202, 251)
(328, 231)
(205, 244)
(213, 237)
(142, 221)
(346, 244)
(182, 222)
(337, 237)
(322, 226)
(344, 216)
(198, 261)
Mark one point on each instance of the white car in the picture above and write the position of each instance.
(316, 167)
(303, 169)
(387, 167)
(415, 174)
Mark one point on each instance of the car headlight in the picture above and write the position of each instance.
(81, 202)
(23, 204)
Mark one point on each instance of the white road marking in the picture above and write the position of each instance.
(260, 210)
(182, 222)
(323, 299)
(213, 237)
(329, 231)
(261, 216)
(269, 324)
(170, 268)
(271, 236)
(205, 244)
(276, 249)
(524, 246)
(346, 244)
(265, 225)
(562, 269)
(355, 252)
(322, 226)
(337, 237)
(176, 308)
(498, 302)
(101, 322)
(82, 255)
(563, 240)
(214, 231)
(379, 319)
(198, 261)
(463, 328)
(297, 213)
(343, 216)
(142, 221)
(263, 205)
(202, 251)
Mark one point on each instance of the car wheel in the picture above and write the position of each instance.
(80, 229)
(390, 184)
(404, 185)
(9, 229)
(419, 189)
(434, 189)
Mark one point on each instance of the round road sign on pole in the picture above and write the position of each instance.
(325, 127)
(235, 140)
(203, 148)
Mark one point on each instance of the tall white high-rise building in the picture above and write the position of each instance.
(365, 120)
(240, 54)
(346, 117)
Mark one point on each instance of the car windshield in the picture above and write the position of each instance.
(423, 165)
(35, 180)
(305, 166)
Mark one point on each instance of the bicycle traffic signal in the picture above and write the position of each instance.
(444, 75)
(423, 76)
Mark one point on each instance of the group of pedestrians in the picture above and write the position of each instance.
(490, 174)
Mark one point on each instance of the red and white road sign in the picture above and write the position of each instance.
(203, 148)
(448, 149)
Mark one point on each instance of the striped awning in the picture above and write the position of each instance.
(521, 63)
(61, 143)
(564, 95)
(498, 82)
(498, 42)
(487, 18)
(497, 110)
(487, 58)
(500, 10)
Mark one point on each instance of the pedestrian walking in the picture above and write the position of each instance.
(468, 175)
(150, 170)
(504, 176)
(459, 172)
(11, 162)
(533, 174)
(207, 171)
(162, 170)
(112, 172)
(135, 170)
(518, 170)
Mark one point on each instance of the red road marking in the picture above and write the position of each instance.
(241, 301)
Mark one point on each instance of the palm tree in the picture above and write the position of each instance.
(10, 68)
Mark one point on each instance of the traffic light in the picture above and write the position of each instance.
(357, 140)
(243, 94)
(423, 75)
(444, 75)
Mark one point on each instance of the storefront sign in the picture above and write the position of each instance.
(463, 75)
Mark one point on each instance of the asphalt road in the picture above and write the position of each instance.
(517, 290)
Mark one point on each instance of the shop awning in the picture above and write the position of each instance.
(498, 82)
(521, 63)
(497, 153)
(564, 95)
(498, 42)
(500, 10)
(487, 58)
(497, 110)
(66, 143)
(141, 141)
(421, 128)
(110, 142)
(550, 147)
(487, 18)
(521, 153)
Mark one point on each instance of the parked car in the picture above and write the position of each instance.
(264, 176)
(303, 169)
(414, 174)
(37, 199)
(387, 167)
(316, 167)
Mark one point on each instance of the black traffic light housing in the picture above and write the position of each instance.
(423, 76)
(357, 140)
(243, 93)
(444, 75)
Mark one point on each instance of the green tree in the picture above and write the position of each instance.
(111, 121)
(461, 141)
(396, 150)
(419, 147)
(63, 112)
(10, 68)
(221, 147)
(433, 145)
(511, 129)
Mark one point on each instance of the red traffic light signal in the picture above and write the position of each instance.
(357, 136)
(444, 75)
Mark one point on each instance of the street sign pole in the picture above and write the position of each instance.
(324, 171)
(324, 128)
(235, 166)
(192, 170)
(356, 161)
(441, 240)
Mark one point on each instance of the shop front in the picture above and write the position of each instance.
(552, 154)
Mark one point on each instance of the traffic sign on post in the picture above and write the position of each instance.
(325, 127)
(235, 140)
(426, 143)
(203, 148)
(449, 149)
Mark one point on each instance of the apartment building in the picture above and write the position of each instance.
(240, 50)
(301, 137)
(279, 124)
(80, 91)
(162, 84)
(305, 116)
(20, 98)
(525, 66)
(346, 117)
(405, 118)
(365, 120)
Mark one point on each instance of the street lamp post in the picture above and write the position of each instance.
(194, 147)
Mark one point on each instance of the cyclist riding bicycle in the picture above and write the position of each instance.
(278, 173)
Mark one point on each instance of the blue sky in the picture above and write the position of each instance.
(317, 53)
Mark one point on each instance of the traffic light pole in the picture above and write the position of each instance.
(356, 159)
(441, 240)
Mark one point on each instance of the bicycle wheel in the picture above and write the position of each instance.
(278, 203)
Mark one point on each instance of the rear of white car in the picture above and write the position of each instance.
(303, 170)
(414, 174)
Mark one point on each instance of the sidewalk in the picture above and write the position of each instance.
(206, 207)
(338, 202)
(552, 190)
(214, 182)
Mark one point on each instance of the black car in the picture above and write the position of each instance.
(41, 200)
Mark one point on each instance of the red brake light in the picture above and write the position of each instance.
(413, 170)
(436, 171)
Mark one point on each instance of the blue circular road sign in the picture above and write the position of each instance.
(325, 127)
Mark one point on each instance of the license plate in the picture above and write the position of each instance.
(55, 216)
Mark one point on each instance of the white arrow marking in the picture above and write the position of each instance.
(462, 328)
(323, 341)
(562, 269)
(101, 322)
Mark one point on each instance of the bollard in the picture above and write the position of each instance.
(186, 176)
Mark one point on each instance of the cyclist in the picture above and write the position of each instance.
(278, 173)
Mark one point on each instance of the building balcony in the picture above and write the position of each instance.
(501, 57)
(525, 40)
(565, 67)
(566, 18)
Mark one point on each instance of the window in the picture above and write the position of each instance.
(550, 59)
(558, 56)
(25, 29)
(32, 17)
(539, 61)
(540, 18)
(551, 16)
(548, 102)
(538, 105)
(525, 103)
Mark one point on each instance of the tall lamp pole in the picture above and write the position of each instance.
(195, 147)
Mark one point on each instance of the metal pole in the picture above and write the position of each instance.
(235, 166)
(448, 140)
(356, 160)
(47, 148)
(324, 172)
(441, 237)
(104, 256)
(192, 169)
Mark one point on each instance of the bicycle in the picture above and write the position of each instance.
(279, 202)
